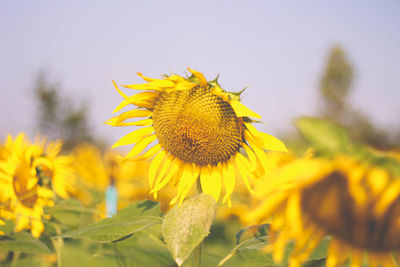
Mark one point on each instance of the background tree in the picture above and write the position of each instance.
(59, 117)
(335, 84)
(335, 88)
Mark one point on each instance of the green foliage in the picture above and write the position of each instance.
(328, 139)
(23, 242)
(323, 135)
(381, 160)
(142, 249)
(253, 249)
(185, 226)
(132, 219)
(68, 214)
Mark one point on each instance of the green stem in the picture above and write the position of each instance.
(228, 257)
(58, 243)
(15, 258)
(197, 260)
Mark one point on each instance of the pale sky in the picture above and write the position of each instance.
(276, 49)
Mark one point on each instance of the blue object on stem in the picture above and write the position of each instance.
(111, 200)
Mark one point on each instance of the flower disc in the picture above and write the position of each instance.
(197, 126)
(331, 205)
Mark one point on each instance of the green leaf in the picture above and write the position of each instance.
(68, 213)
(252, 250)
(319, 252)
(142, 249)
(323, 135)
(376, 158)
(24, 242)
(126, 222)
(7, 228)
(252, 231)
(186, 226)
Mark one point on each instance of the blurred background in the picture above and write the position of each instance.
(339, 60)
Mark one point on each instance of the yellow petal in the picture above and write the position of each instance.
(386, 199)
(119, 91)
(129, 114)
(155, 164)
(279, 246)
(176, 78)
(162, 182)
(147, 79)
(243, 111)
(293, 213)
(184, 179)
(199, 76)
(311, 243)
(157, 82)
(185, 85)
(337, 253)
(133, 137)
(144, 87)
(210, 179)
(252, 157)
(162, 172)
(262, 159)
(242, 166)
(187, 183)
(146, 155)
(22, 216)
(356, 258)
(114, 122)
(141, 145)
(143, 99)
(163, 83)
(37, 228)
(229, 181)
(266, 141)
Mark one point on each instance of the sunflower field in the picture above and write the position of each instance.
(200, 186)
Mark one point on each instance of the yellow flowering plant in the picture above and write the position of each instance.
(198, 168)
(32, 175)
(204, 136)
(193, 141)
(339, 205)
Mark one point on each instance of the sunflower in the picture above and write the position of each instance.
(355, 203)
(91, 169)
(31, 175)
(132, 185)
(242, 199)
(201, 131)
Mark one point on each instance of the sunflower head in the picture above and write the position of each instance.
(31, 175)
(355, 203)
(201, 130)
(197, 125)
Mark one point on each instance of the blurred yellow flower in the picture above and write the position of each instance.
(97, 171)
(201, 130)
(133, 186)
(91, 172)
(242, 199)
(2, 223)
(356, 204)
(31, 176)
